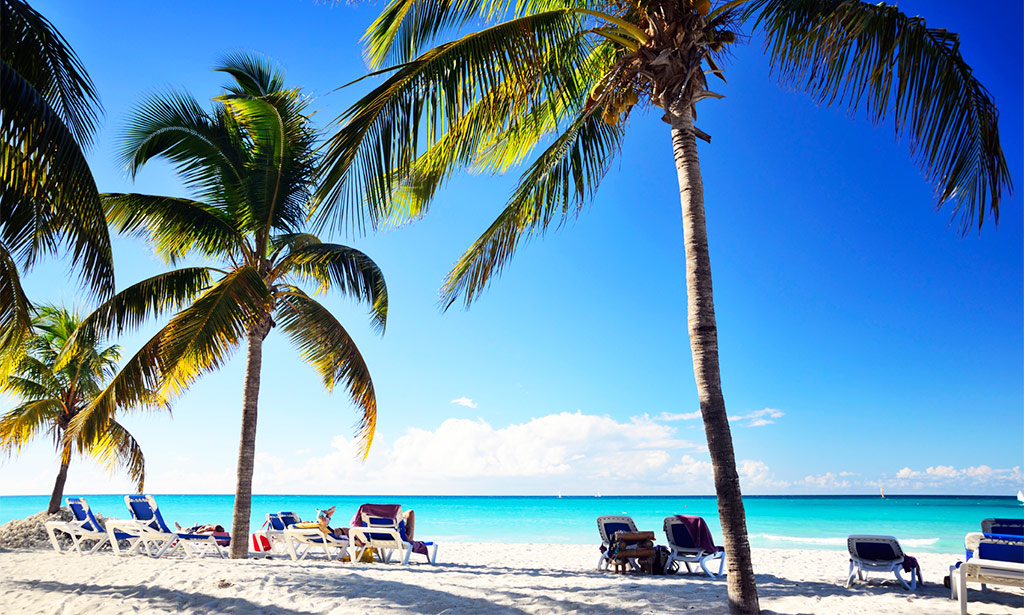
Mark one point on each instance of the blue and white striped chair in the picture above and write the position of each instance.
(149, 526)
(84, 527)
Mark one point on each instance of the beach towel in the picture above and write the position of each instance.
(389, 511)
(910, 564)
(700, 534)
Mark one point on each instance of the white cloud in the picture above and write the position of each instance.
(670, 416)
(303, 451)
(829, 480)
(970, 479)
(759, 418)
(465, 401)
(757, 474)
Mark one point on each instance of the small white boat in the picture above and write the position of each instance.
(1020, 496)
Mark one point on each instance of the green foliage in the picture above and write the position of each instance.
(250, 164)
(558, 79)
(52, 394)
(48, 198)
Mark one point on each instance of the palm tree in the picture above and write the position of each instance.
(51, 396)
(48, 113)
(251, 164)
(564, 75)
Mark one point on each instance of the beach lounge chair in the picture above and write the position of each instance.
(1005, 527)
(996, 559)
(276, 524)
(298, 541)
(84, 527)
(148, 525)
(382, 527)
(607, 526)
(690, 542)
(880, 554)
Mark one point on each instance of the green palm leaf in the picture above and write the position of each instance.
(201, 337)
(21, 425)
(341, 268)
(324, 344)
(853, 53)
(557, 185)
(112, 445)
(436, 89)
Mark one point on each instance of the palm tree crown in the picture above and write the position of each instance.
(48, 112)
(50, 397)
(251, 164)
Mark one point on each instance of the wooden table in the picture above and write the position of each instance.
(637, 546)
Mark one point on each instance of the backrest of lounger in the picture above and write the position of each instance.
(678, 535)
(609, 524)
(274, 522)
(288, 518)
(381, 522)
(1009, 527)
(144, 510)
(875, 548)
(83, 515)
(1001, 550)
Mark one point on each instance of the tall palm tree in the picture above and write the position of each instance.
(250, 162)
(50, 397)
(564, 76)
(48, 198)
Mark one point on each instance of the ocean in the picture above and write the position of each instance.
(922, 523)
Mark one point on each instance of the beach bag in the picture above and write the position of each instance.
(660, 563)
(259, 540)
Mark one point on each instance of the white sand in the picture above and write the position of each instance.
(489, 579)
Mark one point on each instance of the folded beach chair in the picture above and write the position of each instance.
(880, 554)
(293, 536)
(382, 527)
(995, 559)
(84, 527)
(149, 526)
(690, 542)
(608, 525)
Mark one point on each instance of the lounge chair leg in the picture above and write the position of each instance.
(721, 564)
(849, 581)
(962, 573)
(433, 555)
(408, 552)
(52, 533)
(902, 581)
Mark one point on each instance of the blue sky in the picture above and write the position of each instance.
(864, 343)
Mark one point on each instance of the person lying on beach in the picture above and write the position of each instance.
(323, 520)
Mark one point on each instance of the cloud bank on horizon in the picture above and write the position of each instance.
(566, 452)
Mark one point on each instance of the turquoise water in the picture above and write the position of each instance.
(929, 524)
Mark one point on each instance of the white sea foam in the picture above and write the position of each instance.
(839, 541)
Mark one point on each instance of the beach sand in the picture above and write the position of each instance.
(470, 578)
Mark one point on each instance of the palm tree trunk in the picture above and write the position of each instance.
(247, 444)
(62, 477)
(704, 348)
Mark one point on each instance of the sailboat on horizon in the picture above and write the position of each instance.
(1020, 496)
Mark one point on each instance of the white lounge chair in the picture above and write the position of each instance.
(276, 524)
(608, 526)
(299, 541)
(148, 525)
(877, 554)
(385, 535)
(84, 527)
(994, 559)
(688, 548)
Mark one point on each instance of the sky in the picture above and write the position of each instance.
(864, 343)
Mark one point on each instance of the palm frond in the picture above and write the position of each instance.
(381, 135)
(20, 425)
(33, 48)
(851, 53)
(128, 309)
(47, 192)
(406, 27)
(254, 74)
(324, 344)
(344, 269)
(201, 337)
(557, 185)
(113, 446)
(15, 314)
(174, 227)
